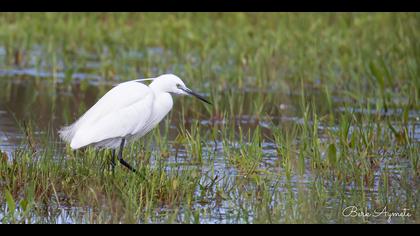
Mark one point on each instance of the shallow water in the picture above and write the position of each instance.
(29, 95)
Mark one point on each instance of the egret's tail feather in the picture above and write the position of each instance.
(67, 133)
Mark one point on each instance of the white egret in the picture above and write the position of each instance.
(125, 113)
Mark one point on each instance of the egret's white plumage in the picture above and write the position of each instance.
(126, 112)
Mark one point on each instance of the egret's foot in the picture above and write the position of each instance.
(124, 163)
(113, 161)
(120, 154)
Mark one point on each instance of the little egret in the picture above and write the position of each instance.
(125, 113)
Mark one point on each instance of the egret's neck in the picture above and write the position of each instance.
(162, 104)
(163, 98)
(158, 86)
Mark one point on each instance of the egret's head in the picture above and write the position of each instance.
(173, 84)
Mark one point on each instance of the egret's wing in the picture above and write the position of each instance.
(116, 114)
(118, 97)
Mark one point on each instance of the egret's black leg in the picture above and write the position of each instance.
(124, 163)
(113, 160)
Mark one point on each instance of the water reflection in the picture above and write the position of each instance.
(48, 106)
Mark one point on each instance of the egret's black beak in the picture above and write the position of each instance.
(190, 92)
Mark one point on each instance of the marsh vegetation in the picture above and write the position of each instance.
(312, 113)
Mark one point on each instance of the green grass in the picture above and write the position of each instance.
(313, 112)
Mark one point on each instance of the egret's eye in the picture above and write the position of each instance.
(178, 86)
